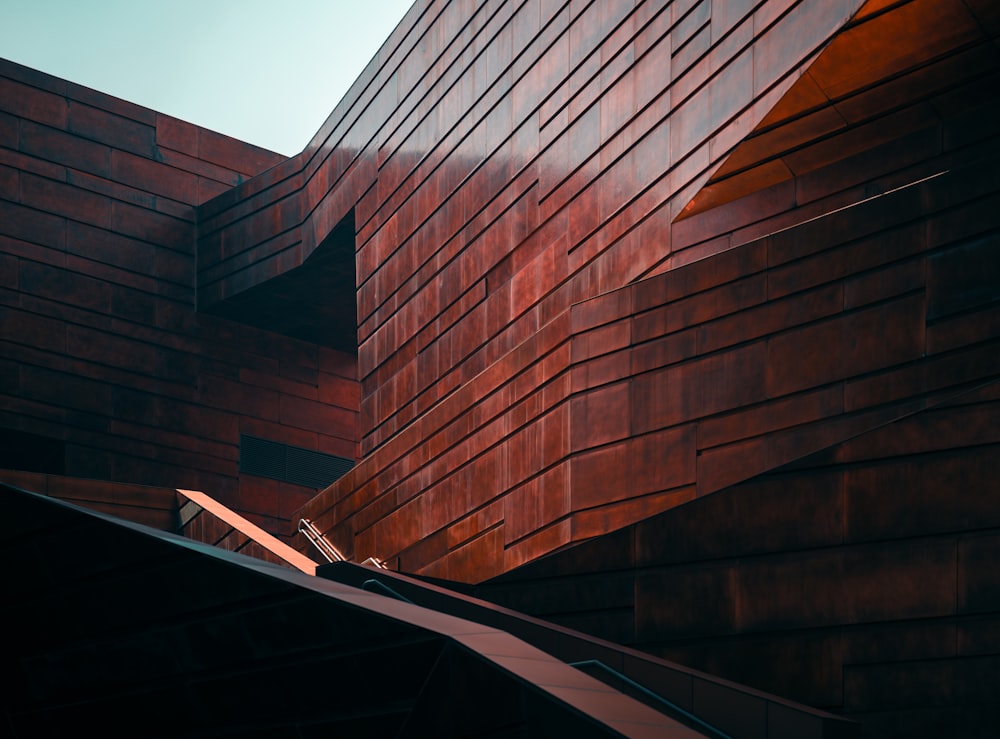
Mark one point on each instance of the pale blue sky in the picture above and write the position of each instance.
(265, 71)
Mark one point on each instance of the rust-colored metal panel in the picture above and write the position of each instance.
(606, 257)
(116, 363)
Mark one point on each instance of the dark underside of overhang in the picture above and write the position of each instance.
(896, 69)
(314, 302)
(119, 630)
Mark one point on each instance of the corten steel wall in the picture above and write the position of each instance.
(504, 162)
(861, 579)
(100, 344)
(509, 161)
(848, 369)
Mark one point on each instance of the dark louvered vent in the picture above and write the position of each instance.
(261, 457)
(289, 463)
(314, 469)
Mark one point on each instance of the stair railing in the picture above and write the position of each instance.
(328, 550)
(668, 704)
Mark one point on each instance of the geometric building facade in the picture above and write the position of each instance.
(673, 324)
(109, 371)
(696, 269)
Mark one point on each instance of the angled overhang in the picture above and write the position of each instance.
(122, 630)
(891, 71)
(313, 300)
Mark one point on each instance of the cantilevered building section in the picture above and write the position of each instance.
(657, 345)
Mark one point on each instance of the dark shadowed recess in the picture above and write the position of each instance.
(314, 302)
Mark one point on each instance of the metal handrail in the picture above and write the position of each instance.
(670, 705)
(372, 585)
(328, 550)
(375, 562)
